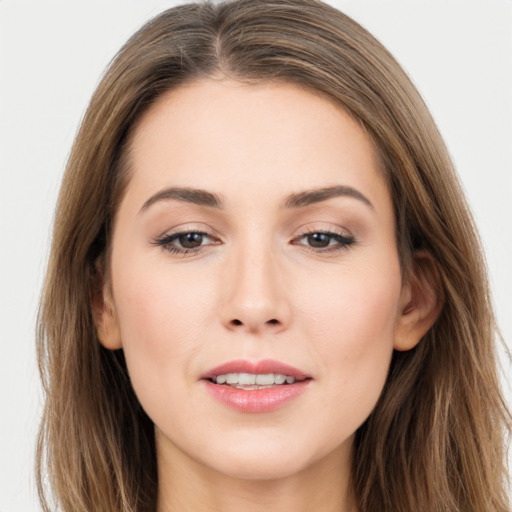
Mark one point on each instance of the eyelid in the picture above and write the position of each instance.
(164, 241)
(191, 227)
(311, 228)
(344, 239)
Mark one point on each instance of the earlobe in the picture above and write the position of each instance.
(105, 318)
(421, 302)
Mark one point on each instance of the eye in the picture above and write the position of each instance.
(184, 242)
(190, 240)
(324, 241)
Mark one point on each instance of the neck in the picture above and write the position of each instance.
(185, 484)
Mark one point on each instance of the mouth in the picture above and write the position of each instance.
(255, 387)
(254, 381)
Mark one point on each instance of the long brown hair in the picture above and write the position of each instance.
(435, 440)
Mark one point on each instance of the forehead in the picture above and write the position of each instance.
(238, 140)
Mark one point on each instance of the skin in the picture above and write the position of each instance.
(256, 288)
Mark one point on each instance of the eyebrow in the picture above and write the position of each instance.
(308, 197)
(189, 195)
(297, 200)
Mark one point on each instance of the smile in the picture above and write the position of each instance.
(260, 387)
(253, 381)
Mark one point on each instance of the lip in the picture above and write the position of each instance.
(256, 400)
(258, 367)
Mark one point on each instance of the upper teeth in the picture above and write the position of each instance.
(262, 379)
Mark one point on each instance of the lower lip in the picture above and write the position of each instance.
(256, 400)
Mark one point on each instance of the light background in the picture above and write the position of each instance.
(52, 54)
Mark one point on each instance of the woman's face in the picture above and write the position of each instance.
(256, 237)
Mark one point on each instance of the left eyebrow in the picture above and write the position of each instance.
(301, 199)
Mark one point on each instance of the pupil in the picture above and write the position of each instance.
(319, 240)
(191, 240)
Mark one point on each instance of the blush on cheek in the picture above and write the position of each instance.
(159, 339)
(355, 329)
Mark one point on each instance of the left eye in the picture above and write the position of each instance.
(325, 240)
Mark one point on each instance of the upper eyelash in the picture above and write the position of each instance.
(164, 241)
(344, 241)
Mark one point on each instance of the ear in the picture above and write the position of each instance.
(421, 301)
(104, 312)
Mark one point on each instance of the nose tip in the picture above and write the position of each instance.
(254, 298)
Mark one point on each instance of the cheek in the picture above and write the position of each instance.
(352, 320)
(160, 317)
(357, 304)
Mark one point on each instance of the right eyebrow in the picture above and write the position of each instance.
(189, 195)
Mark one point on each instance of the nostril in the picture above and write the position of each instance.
(272, 321)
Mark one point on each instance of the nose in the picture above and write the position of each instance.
(254, 295)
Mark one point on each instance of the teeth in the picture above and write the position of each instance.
(265, 380)
(232, 378)
(251, 379)
(247, 379)
(280, 379)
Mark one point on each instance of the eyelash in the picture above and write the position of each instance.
(165, 242)
(343, 242)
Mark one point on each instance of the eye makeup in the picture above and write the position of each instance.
(188, 242)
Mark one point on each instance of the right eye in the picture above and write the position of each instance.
(184, 242)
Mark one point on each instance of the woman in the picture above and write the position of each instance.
(258, 291)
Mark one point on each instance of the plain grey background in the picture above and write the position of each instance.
(459, 53)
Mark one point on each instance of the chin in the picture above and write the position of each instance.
(265, 460)
(264, 468)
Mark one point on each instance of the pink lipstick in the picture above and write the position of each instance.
(255, 387)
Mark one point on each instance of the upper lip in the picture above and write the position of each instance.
(264, 366)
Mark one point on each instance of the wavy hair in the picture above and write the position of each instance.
(436, 438)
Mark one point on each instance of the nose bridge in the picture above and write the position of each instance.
(254, 297)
